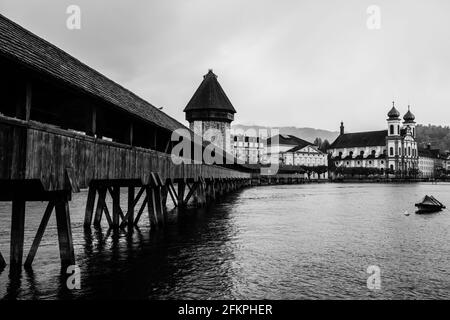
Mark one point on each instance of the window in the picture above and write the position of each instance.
(398, 129)
(246, 139)
(409, 151)
(391, 129)
(391, 151)
(235, 138)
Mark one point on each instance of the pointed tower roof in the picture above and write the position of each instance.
(409, 116)
(394, 113)
(210, 96)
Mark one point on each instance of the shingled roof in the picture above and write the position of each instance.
(360, 139)
(210, 96)
(24, 47)
(289, 140)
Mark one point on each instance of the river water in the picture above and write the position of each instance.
(311, 241)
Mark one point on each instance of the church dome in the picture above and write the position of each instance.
(409, 116)
(394, 113)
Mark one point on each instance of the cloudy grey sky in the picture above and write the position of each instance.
(297, 63)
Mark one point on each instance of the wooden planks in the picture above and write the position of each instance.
(35, 151)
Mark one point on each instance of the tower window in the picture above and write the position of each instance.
(391, 129)
(391, 151)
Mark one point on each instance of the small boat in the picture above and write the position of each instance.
(406, 213)
(429, 204)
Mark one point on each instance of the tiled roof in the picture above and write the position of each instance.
(360, 139)
(24, 47)
(429, 153)
(289, 140)
(301, 146)
(210, 96)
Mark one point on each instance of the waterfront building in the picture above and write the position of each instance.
(288, 150)
(247, 149)
(391, 151)
(432, 162)
(210, 112)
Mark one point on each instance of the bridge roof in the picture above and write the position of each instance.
(26, 48)
(360, 139)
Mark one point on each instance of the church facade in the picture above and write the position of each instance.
(391, 151)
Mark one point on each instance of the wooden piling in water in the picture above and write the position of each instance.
(39, 234)
(90, 206)
(130, 213)
(64, 232)
(17, 232)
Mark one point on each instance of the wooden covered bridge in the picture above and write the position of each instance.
(65, 126)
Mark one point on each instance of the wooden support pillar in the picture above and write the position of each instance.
(101, 207)
(131, 205)
(151, 207)
(17, 232)
(131, 134)
(213, 190)
(2, 262)
(39, 234)
(195, 193)
(203, 192)
(158, 197)
(181, 191)
(164, 195)
(91, 129)
(172, 192)
(141, 210)
(116, 206)
(90, 207)
(64, 232)
(155, 139)
(23, 107)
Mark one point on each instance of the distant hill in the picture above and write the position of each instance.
(308, 134)
(437, 136)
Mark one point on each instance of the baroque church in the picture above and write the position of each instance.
(393, 151)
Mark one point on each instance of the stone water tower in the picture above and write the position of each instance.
(210, 108)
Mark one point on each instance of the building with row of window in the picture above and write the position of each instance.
(433, 163)
(289, 150)
(248, 149)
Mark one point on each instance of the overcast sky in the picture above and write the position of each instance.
(281, 63)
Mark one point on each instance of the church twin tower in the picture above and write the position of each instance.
(401, 141)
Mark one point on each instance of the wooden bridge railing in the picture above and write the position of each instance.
(58, 158)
